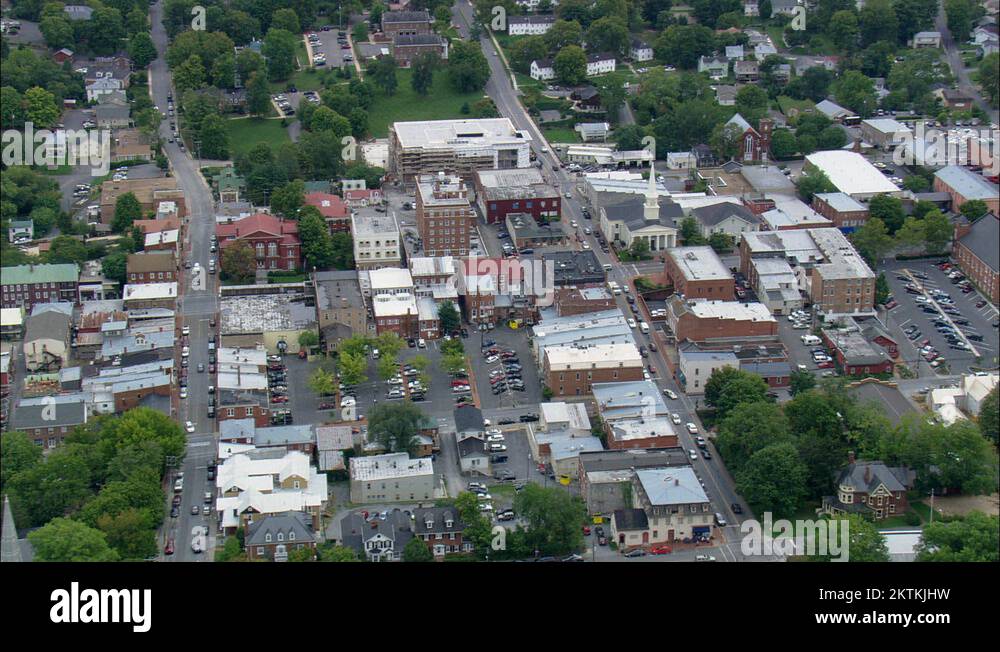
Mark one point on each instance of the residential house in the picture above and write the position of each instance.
(334, 210)
(600, 63)
(441, 529)
(717, 67)
(746, 71)
(870, 489)
(47, 420)
(640, 51)
(725, 217)
(923, 40)
(26, 285)
(530, 25)
(377, 539)
(392, 477)
(542, 70)
(274, 536)
(47, 337)
(151, 267)
(670, 504)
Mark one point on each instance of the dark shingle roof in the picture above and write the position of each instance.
(631, 519)
(355, 530)
(984, 241)
(716, 213)
(867, 476)
(438, 516)
(468, 419)
(283, 523)
(471, 446)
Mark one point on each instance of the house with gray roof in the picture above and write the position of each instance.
(472, 455)
(441, 529)
(726, 217)
(674, 504)
(112, 116)
(274, 536)
(48, 419)
(871, 489)
(377, 539)
(47, 340)
(885, 396)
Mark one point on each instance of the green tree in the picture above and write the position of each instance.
(130, 534)
(877, 22)
(360, 32)
(783, 144)
(239, 262)
(416, 550)
(721, 242)
(960, 14)
(63, 539)
(343, 251)
(881, 289)
(452, 362)
(989, 417)
(279, 50)
(843, 30)
(553, 517)
(450, 320)
(570, 65)
(288, 199)
(889, 209)
(972, 538)
(974, 209)
(872, 240)
(317, 244)
(213, 138)
(231, 551)
(561, 34)
(912, 233)
(748, 428)
(752, 102)
(57, 31)
(287, 20)
(773, 480)
(190, 75)
(989, 77)
(741, 387)
(66, 249)
(337, 553)
(639, 248)
(937, 231)
(383, 73)
(802, 381)
(856, 91)
(17, 454)
(422, 79)
(352, 368)
(40, 107)
(608, 35)
(816, 182)
(395, 426)
(308, 339)
(387, 366)
(682, 45)
(141, 49)
(468, 69)
(691, 233)
(322, 382)
(258, 95)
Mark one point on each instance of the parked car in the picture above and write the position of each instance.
(635, 552)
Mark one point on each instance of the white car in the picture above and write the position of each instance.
(675, 418)
(572, 223)
(692, 428)
(692, 454)
(492, 359)
(586, 245)
(704, 558)
(630, 322)
(493, 432)
(645, 374)
(670, 394)
(184, 392)
(186, 330)
(348, 401)
(495, 439)
(185, 352)
(188, 426)
(421, 343)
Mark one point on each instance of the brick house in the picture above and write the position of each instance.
(871, 489)
(701, 320)
(572, 370)
(964, 185)
(441, 529)
(854, 354)
(272, 537)
(335, 210)
(699, 273)
(846, 213)
(407, 47)
(152, 267)
(405, 23)
(976, 253)
(26, 285)
(521, 190)
(275, 242)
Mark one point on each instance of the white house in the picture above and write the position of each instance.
(640, 51)
(751, 8)
(529, 25)
(102, 87)
(542, 70)
(681, 161)
(926, 40)
(716, 67)
(599, 64)
(785, 7)
(592, 131)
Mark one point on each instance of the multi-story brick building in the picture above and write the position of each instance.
(340, 308)
(445, 217)
(45, 426)
(441, 529)
(572, 370)
(846, 213)
(521, 190)
(407, 47)
(151, 267)
(701, 320)
(977, 252)
(272, 537)
(964, 185)
(149, 192)
(578, 301)
(699, 273)
(26, 285)
(839, 280)
(405, 23)
(871, 489)
(396, 313)
(275, 242)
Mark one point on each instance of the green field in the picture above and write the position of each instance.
(441, 103)
(560, 134)
(244, 133)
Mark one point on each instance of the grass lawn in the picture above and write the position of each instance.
(244, 133)
(525, 82)
(790, 106)
(560, 135)
(441, 103)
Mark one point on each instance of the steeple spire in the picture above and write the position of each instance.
(651, 209)
(10, 550)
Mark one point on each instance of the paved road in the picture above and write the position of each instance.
(196, 308)
(954, 57)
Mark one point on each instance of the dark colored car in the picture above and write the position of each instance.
(737, 508)
(637, 552)
(528, 418)
(505, 422)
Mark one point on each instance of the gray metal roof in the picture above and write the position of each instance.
(42, 414)
(630, 519)
(355, 530)
(674, 486)
(984, 241)
(889, 400)
(968, 184)
(715, 213)
(50, 324)
(867, 476)
(468, 419)
(283, 523)
(438, 517)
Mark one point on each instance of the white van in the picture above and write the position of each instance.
(810, 340)
(607, 267)
(644, 327)
(614, 288)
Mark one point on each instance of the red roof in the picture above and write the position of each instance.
(351, 195)
(329, 205)
(262, 224)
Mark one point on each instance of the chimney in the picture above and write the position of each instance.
(850, 457)
(868, 473)
(857, 146)
(677, 482)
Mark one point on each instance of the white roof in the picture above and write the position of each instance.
(140, 291)
(255, 357)
(707, 309)
(431, 266)
(389, 278)
(777, 218)
(11, 316)
(229, 379)
(699, 263)
(449, 134)
(851, 172)
(572, 414)
(886, 125)
(392, 465)
(388, 305)
(378, 224)
(600, 356)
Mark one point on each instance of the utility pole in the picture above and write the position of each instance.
(932, 507)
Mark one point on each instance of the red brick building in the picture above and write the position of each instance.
(578, 301)
(573, 371)
(846, 213)
(699, 273)
(441, 529)
(702, 320)
(274, 241)
(26, 285)
(405, 23)
(854, 354)
(445, 218)
(500, 193)
(976, 252)
(335, 210)
(406, 48)
(871, 489)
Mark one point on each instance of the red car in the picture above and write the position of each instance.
(661, 550)
(169, 548)
(279, 399)
(586, 529)
(825, 365)
(459, 383)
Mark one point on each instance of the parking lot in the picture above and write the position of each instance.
(908, 313)
(326, 44)
(506, 339)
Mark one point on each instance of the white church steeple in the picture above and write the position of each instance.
(651, 209)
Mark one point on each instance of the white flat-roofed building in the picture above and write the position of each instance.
(150, 295)
(564, 416)
(387, 280)
(245, 357)
(391, 478)
(376, 240)
(776, 285)
(884, 132)
(459, 145)
(778, 219)
(696, 367)
(851, 173)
